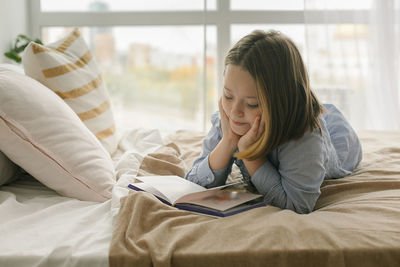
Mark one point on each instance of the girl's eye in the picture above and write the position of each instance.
(252, 106)
(228, 97)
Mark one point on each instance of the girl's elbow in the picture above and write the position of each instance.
(302, 207)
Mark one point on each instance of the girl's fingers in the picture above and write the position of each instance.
(252, 135)
(261, 129)
(256, 125)
(254, 128)
(224, 119)
(257, 128)
(221, 110)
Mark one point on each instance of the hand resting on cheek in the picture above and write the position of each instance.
(228, 136)
(252, 135)
(236, 141)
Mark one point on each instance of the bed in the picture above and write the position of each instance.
(39, 227)
(355, 223)
(68, 202)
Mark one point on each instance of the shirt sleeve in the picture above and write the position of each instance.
(345, 142)
(201, 172)
(295, 182)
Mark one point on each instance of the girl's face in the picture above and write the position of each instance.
(239, 99)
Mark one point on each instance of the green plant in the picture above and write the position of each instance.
(20, 43)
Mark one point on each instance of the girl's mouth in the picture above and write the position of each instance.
(237, 123)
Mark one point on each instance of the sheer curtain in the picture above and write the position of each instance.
(354, 55)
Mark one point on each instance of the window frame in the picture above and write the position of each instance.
(222, 18)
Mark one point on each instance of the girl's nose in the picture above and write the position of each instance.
(237, 109)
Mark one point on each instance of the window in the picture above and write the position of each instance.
(163, 60)
(299, 5)
(123, 5)
(154, 73)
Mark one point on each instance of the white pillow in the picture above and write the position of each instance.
(68, 68)
(42, 134)
(7, 169)
(13, 67)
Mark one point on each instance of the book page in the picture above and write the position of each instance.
(219, 199)
(171, 186)
(150, 189)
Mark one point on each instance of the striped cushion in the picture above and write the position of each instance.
(40, 133)
(68, 68)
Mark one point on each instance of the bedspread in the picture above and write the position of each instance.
(355, 222)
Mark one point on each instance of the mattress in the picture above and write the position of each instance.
(355, 222)
(38, 227)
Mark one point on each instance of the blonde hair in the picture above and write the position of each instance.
(289, 106)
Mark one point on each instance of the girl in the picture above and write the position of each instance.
(272, 126)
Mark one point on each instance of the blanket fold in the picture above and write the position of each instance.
(355, 222)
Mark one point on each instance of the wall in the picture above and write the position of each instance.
(13, 21)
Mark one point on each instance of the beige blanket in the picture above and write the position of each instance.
(356, 221)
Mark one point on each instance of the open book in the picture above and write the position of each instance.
(220, 201)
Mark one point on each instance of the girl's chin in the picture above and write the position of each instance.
(239, 130)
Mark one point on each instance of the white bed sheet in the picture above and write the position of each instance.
(38, 227)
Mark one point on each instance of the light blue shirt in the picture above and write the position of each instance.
(293, 173)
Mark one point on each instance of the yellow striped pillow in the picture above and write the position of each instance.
(68, 68)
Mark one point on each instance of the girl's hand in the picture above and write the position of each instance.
(229, 138)
(247, 140)
(252, 135)
(221, 155)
